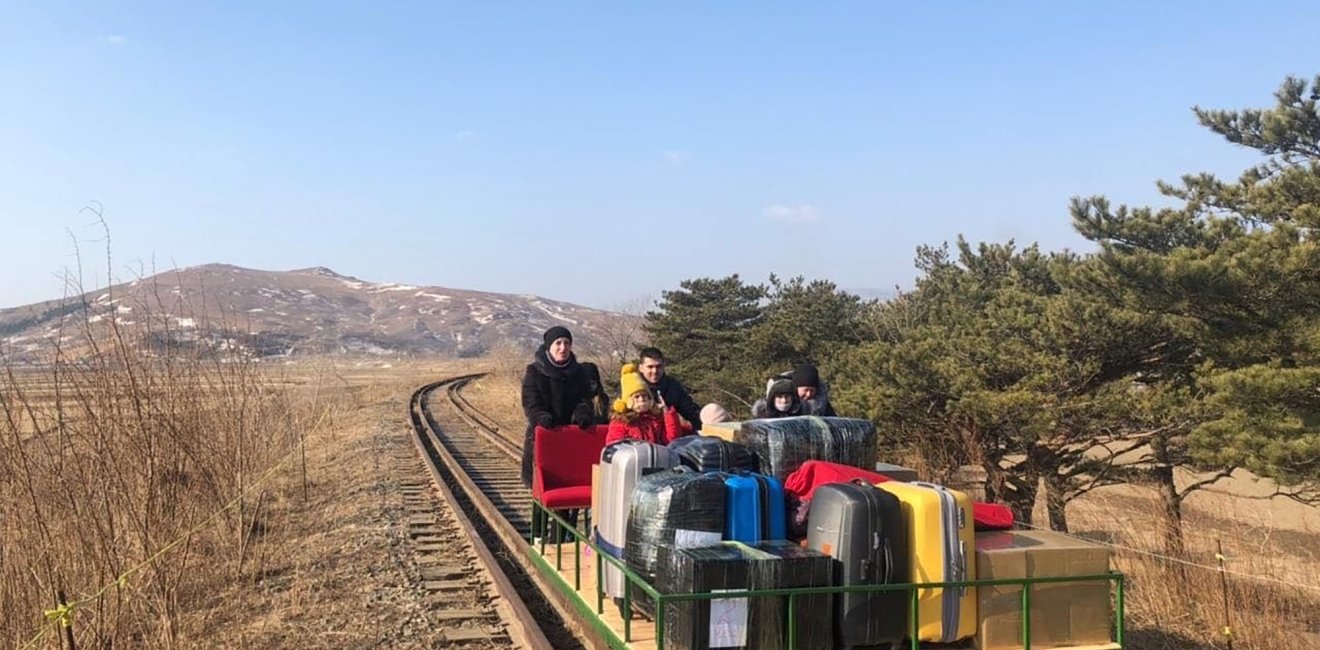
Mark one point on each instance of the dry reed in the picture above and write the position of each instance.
(132, 463)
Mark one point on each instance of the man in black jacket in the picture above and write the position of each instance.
(666, 390)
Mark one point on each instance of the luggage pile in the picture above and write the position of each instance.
(717, 513)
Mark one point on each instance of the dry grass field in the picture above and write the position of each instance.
(244, 505)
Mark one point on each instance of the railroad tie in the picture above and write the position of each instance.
(442, 572)
(447, 585)
(468, 635)
(462, 615)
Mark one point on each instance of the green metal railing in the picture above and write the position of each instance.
(632, 579)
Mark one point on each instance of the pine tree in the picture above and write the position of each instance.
(805, 322)
(1234, 274)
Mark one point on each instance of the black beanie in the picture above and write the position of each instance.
(806, 375)
(555, 333)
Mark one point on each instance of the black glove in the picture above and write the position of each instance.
(583, 416)
(545, 420)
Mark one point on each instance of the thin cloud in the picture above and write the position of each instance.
(115, 40)
(465, 134)
(792, 213)
(676, 157)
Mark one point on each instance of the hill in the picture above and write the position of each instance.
(301, 312)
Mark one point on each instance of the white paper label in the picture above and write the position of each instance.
(684, 538)
(728, 621)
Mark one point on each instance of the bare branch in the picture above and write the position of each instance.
(1215, 478)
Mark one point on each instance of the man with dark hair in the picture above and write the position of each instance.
(666, 390)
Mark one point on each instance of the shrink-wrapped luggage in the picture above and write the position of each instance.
(794, 566)
(761, 622)
(703, 624)
(676, 508)
(707, 454)
(784, 444)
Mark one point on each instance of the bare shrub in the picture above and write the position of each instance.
(131, 467)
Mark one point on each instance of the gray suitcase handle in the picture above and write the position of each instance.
(960, 568)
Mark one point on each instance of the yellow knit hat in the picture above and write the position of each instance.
(630, 381)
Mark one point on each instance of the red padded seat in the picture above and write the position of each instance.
(578, 496)
(561, 476)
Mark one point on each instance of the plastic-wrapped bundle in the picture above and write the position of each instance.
(676, 508)
(760, 622)
(783, 444)
(789, 566)
(707, 454)
(704, 624)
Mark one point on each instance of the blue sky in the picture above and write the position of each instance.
(599, 152)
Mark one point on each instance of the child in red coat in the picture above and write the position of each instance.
(636, 415)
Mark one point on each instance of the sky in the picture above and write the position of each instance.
(599, 153)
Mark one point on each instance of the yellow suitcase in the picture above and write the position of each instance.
(942, 541)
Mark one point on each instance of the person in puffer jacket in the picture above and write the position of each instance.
(636, 415)
(780, 401)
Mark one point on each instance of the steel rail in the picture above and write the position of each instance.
(522, 627)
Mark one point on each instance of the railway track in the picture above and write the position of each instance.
(476, 471)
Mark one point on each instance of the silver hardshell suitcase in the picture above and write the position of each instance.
(621, 464)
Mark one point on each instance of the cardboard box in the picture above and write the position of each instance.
(1063, 615)
(897, 472)
(721, 430)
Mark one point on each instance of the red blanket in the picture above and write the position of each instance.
(815, 473)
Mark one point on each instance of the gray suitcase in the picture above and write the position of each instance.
(621, 464)
(862, 528)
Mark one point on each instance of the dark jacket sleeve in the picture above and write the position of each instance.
(533, 402)
(678, 397)
(828, 411)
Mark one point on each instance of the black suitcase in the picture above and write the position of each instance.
(710, 454)
(722, 567)
(784, 444)
(862, 528)
(790, 566)
(674, 508)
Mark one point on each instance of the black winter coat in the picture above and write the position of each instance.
(553, 393)
(676, 396)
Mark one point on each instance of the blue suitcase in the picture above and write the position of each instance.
(754, 508)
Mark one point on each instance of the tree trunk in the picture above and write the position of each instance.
(1019, 498)
(1056, 503)
(1170, 500)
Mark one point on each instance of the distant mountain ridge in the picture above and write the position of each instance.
(305, 311)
